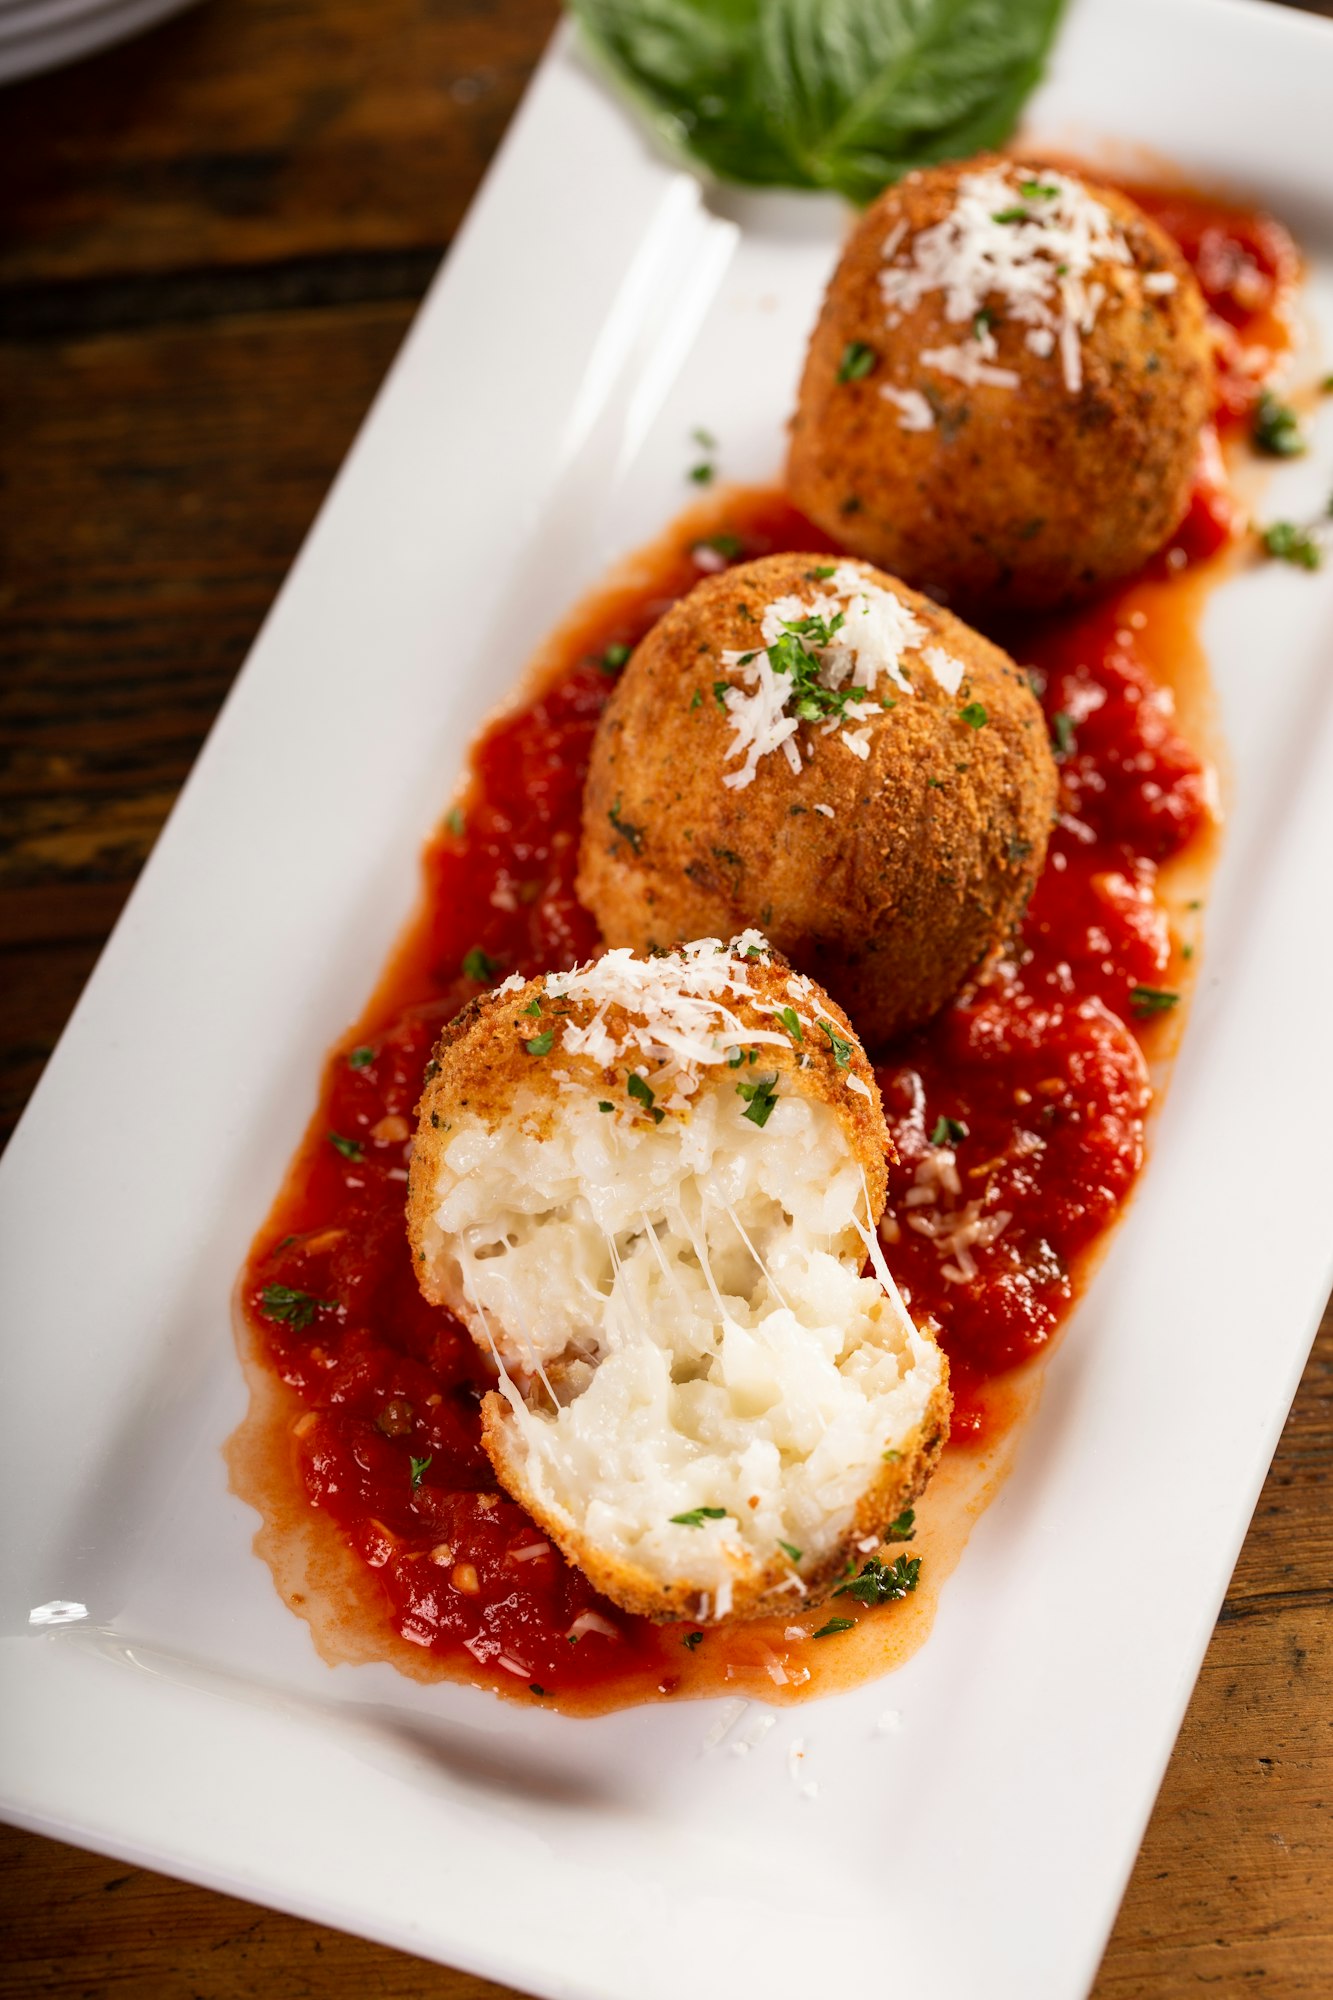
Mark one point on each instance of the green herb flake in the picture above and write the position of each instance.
(420, 1467)
(455, 821)
(841, 1047)
(792, 1553)
(791, 1021)
(534, 1006)
(760, 1097)
(1275, 428)
(883, 1583)
(626, 829)
(479, 965)
(704, 439)
(728, 546)
(1289, 542)
(857, 361)
(822, 572)
(720, 692)
(691, 1640)
(644, 1094)
(890, 1456)
(1011, 215)
(697, 699)
(696, 1517)
(292, 1308)
(351, 1149)
(614, 659)
(948, 1131)
(974, 715)
(533, 1688)
(1037, 191)
(702, 474)
(834, 1625)
(1062, 729)
(540, 1045)
(605, 1105)
(902, 1530)
(361, 1058)
(1148, 1000)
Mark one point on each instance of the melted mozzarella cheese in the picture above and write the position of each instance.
(681, 1323)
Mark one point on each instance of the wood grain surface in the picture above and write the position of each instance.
(211, 242)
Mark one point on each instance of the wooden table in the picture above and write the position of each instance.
(214, 239)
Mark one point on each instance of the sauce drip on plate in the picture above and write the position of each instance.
(1018, 1115)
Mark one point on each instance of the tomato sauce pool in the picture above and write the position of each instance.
(1018, 1116)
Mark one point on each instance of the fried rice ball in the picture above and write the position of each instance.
(650, 1187)
(1003, 397)
(806, 744)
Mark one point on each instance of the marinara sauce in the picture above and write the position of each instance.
(1018, 1115)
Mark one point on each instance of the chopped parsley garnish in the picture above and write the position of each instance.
(534, 1005)
(293, 1308)
(697, 699)
(857, 361)
(605, 1105)
(729, 546)
(791, 1021)
(479, 965)
(720, 692)
(704, 438)
(793, 1554)
(948, 1131)
(760, 1097)
(890, 1456)
(1012, 215)
(626, 830)
(882, 1583)
(420, 1466)
(1037, 191)
(534, 1689)
(361, 1058)
(540, 1045)
(1019, 850)
(614, 658)
(974, 715)
(1289, 542)
(1062, 729)
(834, 1625)
(454, 819)
(351, 1149)
(1276, 428)
(1146, 1000)
(698, 1515)
(691, 1640)
(841, 1047)
(791, 654)
(644, 1094)
(822, 572)
(702, 474)
(902, 1529)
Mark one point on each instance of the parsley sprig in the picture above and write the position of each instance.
(881, 1582)
(760, 1097)
(290, 1307)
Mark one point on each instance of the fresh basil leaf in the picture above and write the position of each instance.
(840, 94)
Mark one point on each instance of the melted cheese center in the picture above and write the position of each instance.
(680, 1321)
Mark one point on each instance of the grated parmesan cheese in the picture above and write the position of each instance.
(914, 412)
(1034, 268)
(876, 633)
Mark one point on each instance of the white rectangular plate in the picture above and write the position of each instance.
(536, 425)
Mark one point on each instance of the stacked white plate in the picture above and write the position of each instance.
(40, 34)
